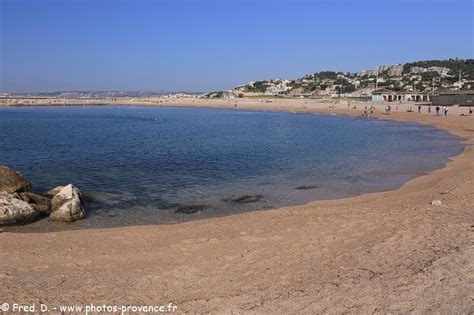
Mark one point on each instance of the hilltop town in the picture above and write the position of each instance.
(421, 77)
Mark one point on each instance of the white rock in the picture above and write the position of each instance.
(67, 205)
(15, 211)
(436, 203)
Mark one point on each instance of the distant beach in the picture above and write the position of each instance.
(341, 106)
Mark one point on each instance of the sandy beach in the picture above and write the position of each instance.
(388, 252)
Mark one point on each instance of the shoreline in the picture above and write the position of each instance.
(384, 251)
(40, 227)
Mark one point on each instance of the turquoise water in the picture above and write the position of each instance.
(149, 165)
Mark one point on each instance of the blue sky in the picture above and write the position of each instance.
(177, 45)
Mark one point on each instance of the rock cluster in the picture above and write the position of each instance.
(18, 205)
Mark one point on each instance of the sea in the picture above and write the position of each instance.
(164, 165)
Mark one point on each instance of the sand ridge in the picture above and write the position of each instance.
(381, 252)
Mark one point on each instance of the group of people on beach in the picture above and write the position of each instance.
(440, 111)
(368, 111)
(445, 110)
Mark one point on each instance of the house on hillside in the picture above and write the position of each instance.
(369, 73)
(228, 94)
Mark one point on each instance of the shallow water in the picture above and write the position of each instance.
(148, 165)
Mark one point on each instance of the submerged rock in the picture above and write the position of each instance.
(40, 203)
(244, 199)
(306, 187)
(191, 209)
(12, 181)
(91, 198)
(15, 211)
(109, 198)
(67, 205)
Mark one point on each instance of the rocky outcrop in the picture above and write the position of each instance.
(67, 205)
(18, 205)
(15, 211)
(12, 181)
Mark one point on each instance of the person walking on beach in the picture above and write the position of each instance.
(429, 109)
(437, 110)
(445, 109)
(470, 111)
(419, 109)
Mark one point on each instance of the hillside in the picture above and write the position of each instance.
(420, 76)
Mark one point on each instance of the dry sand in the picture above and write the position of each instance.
(389, 252)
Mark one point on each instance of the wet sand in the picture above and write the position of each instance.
(381, 252)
